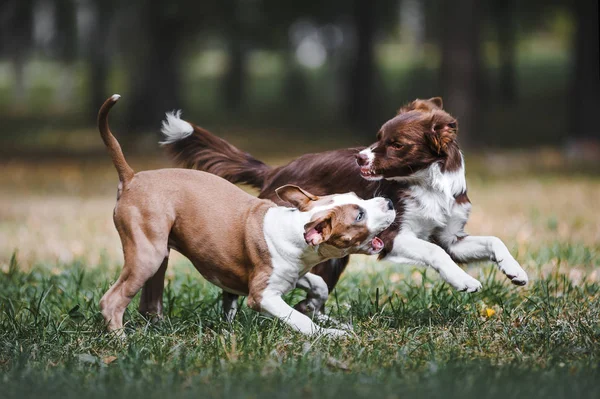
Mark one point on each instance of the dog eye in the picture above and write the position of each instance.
(397, 146)
(360, 216)
(452, 125)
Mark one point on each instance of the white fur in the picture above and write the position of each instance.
(370, 158)
(174, 128)
(292, 258)
(431, 202)
(431, 211)
(115, 97)
(412, 250)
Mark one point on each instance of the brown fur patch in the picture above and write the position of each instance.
(335, 172)
(462, 198)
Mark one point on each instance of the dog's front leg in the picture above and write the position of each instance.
(479, 248)
(273, 305)
(409, 249)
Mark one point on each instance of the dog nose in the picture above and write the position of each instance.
(390, 204)
(361, 159)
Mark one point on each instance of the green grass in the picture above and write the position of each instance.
(412, 339)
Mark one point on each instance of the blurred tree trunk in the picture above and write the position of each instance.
(234, 79)
(504, 16)
(66, 49)
(585, 89)
(98, 56)
(155, 73)
(461, 75)
(16, 36)
(361, 75)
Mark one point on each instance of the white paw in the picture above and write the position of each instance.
(513, 271)
(465, 283)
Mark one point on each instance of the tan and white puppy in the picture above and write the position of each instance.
(245, 245)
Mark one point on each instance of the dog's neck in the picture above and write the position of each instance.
(284, 233)
(450, 182)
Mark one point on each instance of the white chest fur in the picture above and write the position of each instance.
(283, 233)
(431, 203)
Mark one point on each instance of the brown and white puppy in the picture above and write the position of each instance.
(245, 245)
(416, 162)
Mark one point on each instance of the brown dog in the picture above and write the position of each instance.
(416, 162)
(246, 246)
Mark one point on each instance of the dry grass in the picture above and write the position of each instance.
(58, 211)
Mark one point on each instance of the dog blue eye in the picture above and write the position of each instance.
(360, 216)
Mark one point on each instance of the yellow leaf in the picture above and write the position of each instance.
(109, 359)
(489, 312)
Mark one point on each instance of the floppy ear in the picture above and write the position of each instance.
(319, 229)
(441, 135)
(296, 196)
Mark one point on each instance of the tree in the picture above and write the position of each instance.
(504, 21)
(235, 77)
(99, 56)
(361, 71)
(16, 18)
(65, 46)
(585, 79)
(461, 74)
(155, 66)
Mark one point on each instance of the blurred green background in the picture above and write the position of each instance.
(517, 74)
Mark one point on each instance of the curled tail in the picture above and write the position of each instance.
(196, 148)
(114, 149)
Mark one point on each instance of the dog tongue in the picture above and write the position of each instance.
(377, 244)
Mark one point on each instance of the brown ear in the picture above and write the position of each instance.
(437, 101)
(319, 229)
(443, 132)
(422, 105)
(296, 196)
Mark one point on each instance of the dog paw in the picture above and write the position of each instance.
(520, 279)
(467, 284)
(514, 272)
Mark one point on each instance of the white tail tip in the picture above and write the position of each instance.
(115, 97)
(174, 128)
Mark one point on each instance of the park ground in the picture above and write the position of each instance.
(413, 335)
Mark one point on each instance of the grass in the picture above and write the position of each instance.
(414, 336)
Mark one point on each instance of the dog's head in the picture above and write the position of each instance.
(421, 134)
(341, 224)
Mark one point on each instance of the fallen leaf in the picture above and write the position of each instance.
(109, 359)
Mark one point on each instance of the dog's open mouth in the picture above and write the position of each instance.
(376, 245)
(368, 173)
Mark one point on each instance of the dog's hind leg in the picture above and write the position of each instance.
(230, 306)
(151, 300)
(143, 259)
(330, 272)
(314, 304)
(479, 248)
